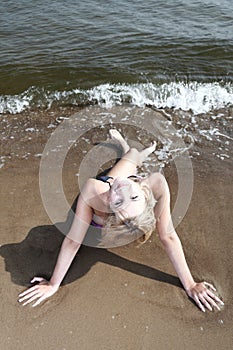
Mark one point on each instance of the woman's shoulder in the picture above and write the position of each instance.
(157, 183)
(93, 186)
(87, 189)
(155, 178)
(90, 184)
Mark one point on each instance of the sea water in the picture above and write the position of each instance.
(174, 54)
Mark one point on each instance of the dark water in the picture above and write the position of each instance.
(164, 53)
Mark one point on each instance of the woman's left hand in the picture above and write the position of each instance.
(204, 296)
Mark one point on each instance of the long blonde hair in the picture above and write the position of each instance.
(140, 228)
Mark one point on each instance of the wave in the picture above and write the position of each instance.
(195, 96)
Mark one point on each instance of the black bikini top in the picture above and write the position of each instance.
(105, 179)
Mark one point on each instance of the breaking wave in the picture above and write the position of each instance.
(194, 96)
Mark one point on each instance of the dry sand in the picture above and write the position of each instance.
(122, 298)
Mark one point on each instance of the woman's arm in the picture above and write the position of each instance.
(201, 293)
(69, 248)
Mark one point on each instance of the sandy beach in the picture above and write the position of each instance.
(121, 298)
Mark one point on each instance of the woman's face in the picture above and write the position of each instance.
(126, 198)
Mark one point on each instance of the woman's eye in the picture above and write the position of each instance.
(117, 203)
(134, 197)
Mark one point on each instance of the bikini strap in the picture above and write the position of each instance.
(104, 178)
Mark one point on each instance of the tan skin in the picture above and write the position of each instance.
(126, 199)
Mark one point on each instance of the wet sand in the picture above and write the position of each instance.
(121, 298)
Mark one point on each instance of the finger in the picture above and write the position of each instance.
(28, 295)
(199, 304)
(212, 302)
(34, 297)
(210, 286)
(205, 302)
(39, 300)
(28, 291)
(37, 279)
(213, 296)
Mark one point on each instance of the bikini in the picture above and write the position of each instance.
(93, 223)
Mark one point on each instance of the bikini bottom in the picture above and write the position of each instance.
(93, 223)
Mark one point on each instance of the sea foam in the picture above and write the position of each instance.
(194, 96)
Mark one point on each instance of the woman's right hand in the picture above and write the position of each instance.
(38, 293)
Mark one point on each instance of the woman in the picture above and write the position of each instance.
(126, 206)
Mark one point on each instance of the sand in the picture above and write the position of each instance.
(121, 298)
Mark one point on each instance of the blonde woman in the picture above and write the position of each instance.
(125, 207)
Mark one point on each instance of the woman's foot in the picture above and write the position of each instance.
(118, 138)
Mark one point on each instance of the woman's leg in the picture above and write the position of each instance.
(118, 139)
(131, 159)
(146, 152)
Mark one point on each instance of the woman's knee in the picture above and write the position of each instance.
(133, 155)
(133, 151)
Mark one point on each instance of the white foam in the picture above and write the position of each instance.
(198, 97)
(14, 104)
(30, 129)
